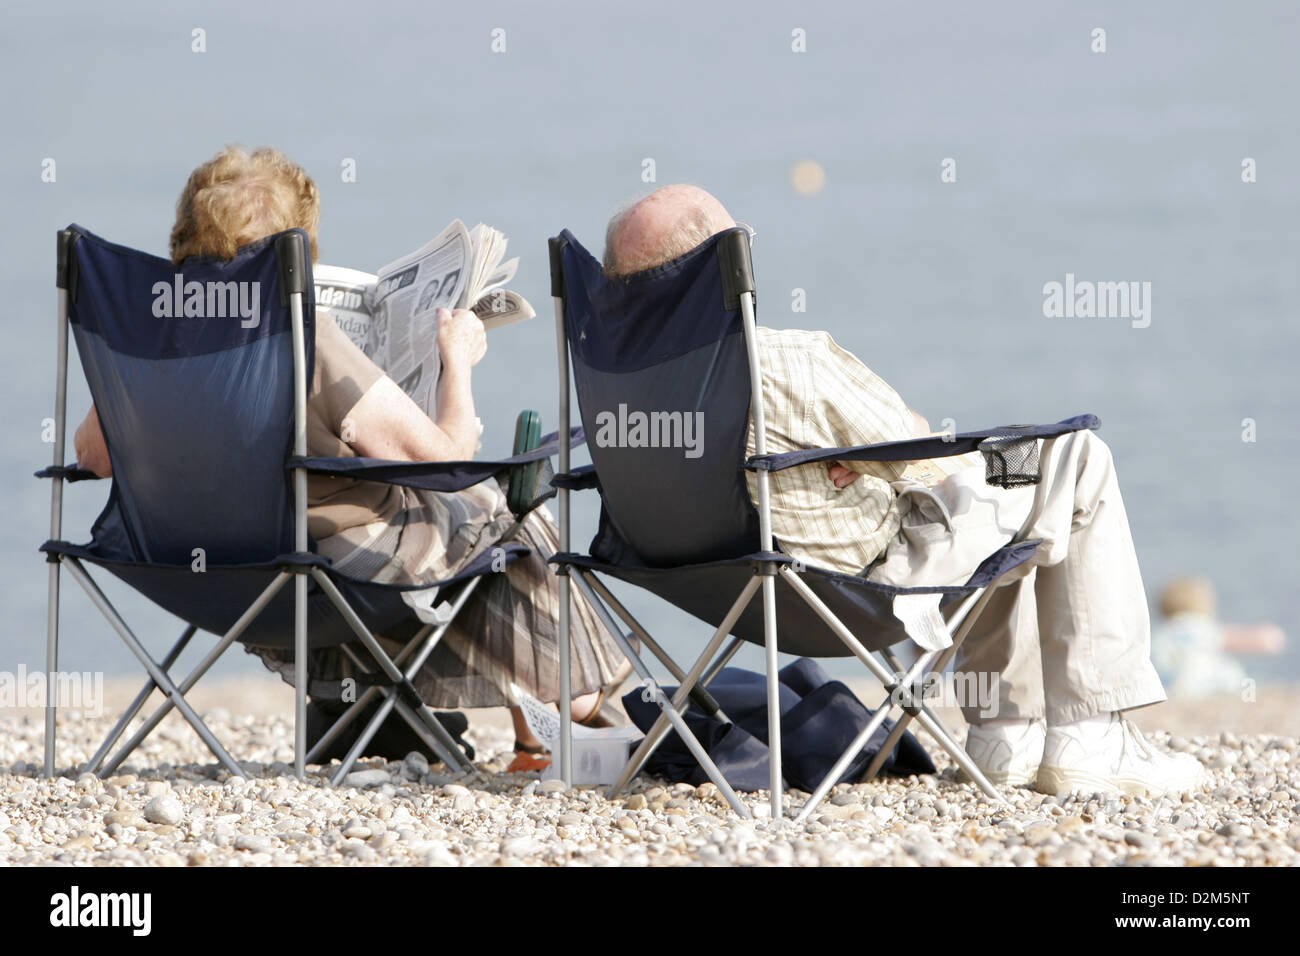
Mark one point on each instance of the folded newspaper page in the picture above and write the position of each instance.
(392, 316)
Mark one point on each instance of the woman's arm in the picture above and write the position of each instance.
(88, 443)
(385, 423)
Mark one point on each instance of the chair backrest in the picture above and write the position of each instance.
(663, 385)
(191, 369)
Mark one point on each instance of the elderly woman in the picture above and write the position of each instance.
(507, 633)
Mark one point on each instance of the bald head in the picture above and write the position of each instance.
(668, 223)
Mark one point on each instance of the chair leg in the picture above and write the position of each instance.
(129, 714)
(300, 676)
(773, 697)
(358, 706)
(697, 751)
(968, 619)
(661, 726)
(51, 663)
(833, 775)
(453, 756)
(159, 677)
(355, 709)
(702, 700)
(193, 677)
(878, 670)
(367, 734)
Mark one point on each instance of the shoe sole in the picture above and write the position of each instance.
(1059, 781)
(1000, 778)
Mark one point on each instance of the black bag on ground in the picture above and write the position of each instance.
(819, 719)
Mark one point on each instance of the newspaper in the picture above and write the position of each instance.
(392, 316)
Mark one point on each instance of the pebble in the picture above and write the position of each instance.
(367, 778)
(164, 809)
(415, 765)
(1143, 841)
(176, 806)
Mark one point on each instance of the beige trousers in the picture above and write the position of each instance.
(1068, 635)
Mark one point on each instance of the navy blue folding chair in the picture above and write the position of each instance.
(677, 340)
(199, 374)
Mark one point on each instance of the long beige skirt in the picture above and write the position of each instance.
(508, 631)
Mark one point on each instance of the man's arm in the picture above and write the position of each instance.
(386, 423)
(843, 476)
(858, 407)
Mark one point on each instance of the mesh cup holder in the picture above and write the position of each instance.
(1010, 459)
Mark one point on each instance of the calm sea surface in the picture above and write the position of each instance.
(1116, 166)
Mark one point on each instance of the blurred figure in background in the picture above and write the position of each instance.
(1193, 650)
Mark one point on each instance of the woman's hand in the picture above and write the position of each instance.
(88, 443)
(461, 339)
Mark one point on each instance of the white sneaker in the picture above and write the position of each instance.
(1108, 754)
(1008, 752)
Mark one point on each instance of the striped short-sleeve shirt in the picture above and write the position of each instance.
(817, 395)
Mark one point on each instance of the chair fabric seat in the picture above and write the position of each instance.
(707, 591)
(214, 599)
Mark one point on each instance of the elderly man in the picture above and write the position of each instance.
(1070, 640)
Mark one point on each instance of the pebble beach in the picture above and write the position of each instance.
(173, 805)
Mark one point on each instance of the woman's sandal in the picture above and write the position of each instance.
(529, 758)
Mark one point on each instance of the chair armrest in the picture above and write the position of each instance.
(430, 475)
(579, 479)
(914, 449)
(67, 473)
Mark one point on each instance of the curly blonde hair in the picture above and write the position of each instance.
(238, 197)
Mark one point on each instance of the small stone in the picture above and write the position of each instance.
(636, 802)
(551, 786)
(359, 851)
(1233, 830)
(367, 778)
(926, 852)
(164, 809)
(1143, 841)
(415, 765)
(1038, 834)
(253, 843)
(439, 856)
(778, 854)
(356, 830)
(518, 846)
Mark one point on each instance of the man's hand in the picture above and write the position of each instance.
(461, 340)
(842, 476)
